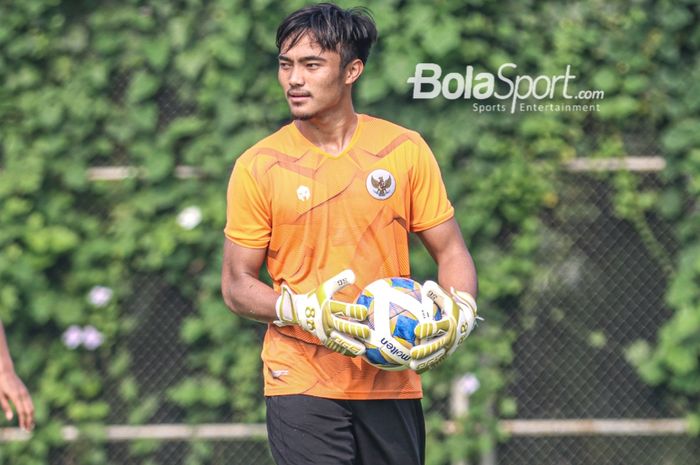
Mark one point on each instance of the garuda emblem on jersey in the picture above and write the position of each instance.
(381, 184)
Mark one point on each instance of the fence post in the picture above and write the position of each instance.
(489, 458)
(459, 406)
(462, 387)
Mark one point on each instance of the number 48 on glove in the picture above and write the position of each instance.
(441, 338)
(336, 324)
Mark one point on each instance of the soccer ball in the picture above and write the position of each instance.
(395, 309)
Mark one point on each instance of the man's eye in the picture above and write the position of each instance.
(284, 65)
(312, 65)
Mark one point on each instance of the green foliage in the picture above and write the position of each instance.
(154, 85)
(673, 360)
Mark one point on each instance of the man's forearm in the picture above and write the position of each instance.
(250, 298)
(458, 271)
(455, 265)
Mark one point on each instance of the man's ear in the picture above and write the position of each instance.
(353, 70)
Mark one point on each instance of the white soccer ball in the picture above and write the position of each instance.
(395, 308)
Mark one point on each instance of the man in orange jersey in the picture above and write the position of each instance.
(328, 201)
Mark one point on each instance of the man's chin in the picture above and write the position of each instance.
(302, 116)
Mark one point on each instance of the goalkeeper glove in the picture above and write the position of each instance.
(316, 313)
(440, 339)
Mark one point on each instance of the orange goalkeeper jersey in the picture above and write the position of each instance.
(318, 214)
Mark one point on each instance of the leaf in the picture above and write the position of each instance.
(142, 447)
(144, 117)
(442, 37)
(128, 389)
(597, 339)
(682, 135)
(76, 39)
(186, 393)
(372, 88)
(670, 203)
(693, 420)
(157, 52)
(143, 86)
(213, 392)
(225, 52)
(508, 407)
(178, 31)
(651, 373)
(62, 239)
(606, 79)
(618, 107)
(144, 411)
(638, 353)
(192, 330)
(190, 63)
(681, 360)
(636, 84)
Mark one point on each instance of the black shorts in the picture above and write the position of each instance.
(306, 430)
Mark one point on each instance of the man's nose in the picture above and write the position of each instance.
(296, 76)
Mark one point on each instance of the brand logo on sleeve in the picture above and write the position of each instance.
(381, 184)
(303, 193)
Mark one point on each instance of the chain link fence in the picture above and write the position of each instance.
(234, 452)
(600, 289)
(607, 450)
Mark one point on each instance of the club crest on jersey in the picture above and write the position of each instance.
(381, 184)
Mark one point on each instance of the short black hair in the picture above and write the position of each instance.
(349, 32)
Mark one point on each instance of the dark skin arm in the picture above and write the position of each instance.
(241, 288)
(455, 265)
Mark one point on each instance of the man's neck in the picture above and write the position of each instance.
(330, 133)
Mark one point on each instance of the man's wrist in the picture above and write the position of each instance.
(465, 299)
(284, 308)
(6, 368)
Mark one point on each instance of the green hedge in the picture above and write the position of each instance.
(159, 84)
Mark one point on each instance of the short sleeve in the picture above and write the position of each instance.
(248, 219)
(429, 203)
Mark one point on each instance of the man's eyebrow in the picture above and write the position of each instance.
(303, 59)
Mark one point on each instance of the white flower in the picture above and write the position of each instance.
(92, 338)
(469, 384)
(189, 218)
(73, 337)
(99, 296)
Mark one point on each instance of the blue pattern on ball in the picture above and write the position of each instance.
(403, 283)
(375, 356)
(405, 329)
(365, 300)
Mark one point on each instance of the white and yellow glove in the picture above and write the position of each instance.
(441, 338)
(318, 314)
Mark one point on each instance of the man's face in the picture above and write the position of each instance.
(311, 78)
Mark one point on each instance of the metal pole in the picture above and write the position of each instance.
(459, 406)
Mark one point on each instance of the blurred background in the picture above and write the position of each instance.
(120, 123)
